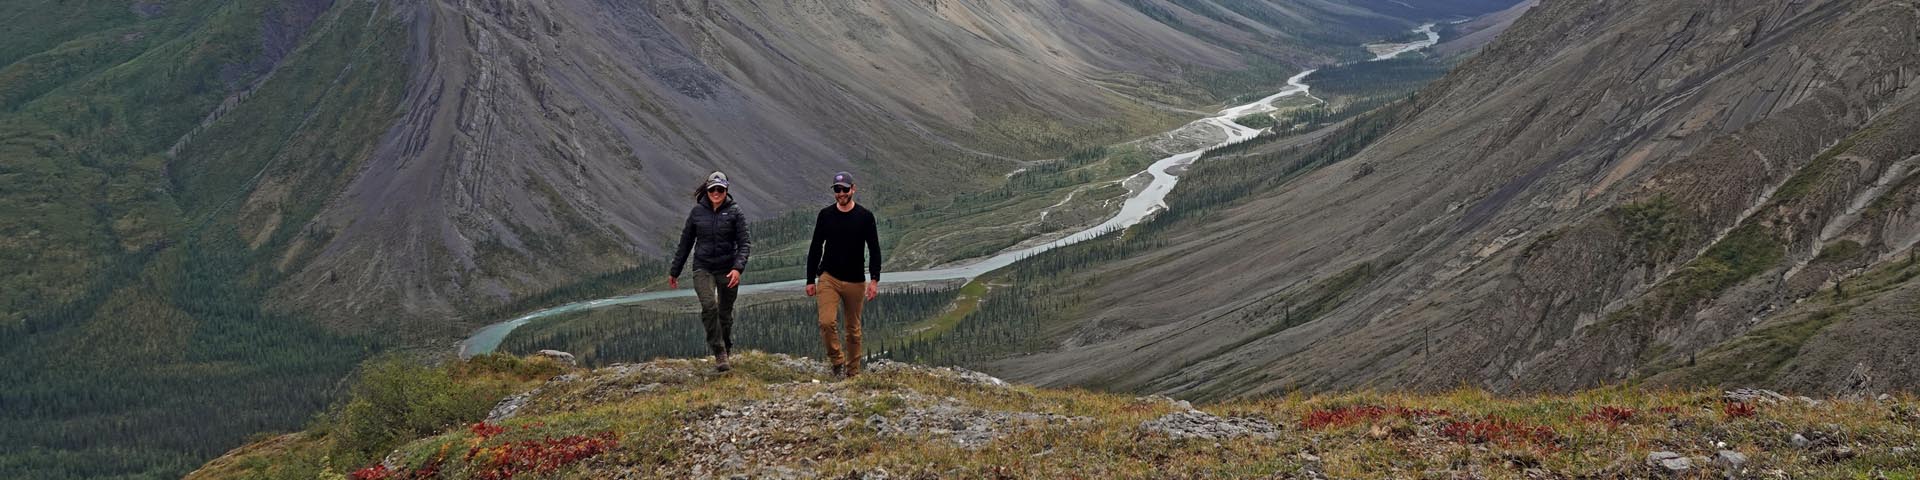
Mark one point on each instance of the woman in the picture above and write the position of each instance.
(720, 232)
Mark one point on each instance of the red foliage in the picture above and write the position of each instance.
(1352, 414)
(1668, 410)
(1611, 415)
(376, 472)
(486, 430)
(1740, 410)
(381, 472)
(430, 470)
(1343, 416)
(1502, 431)
(506, 460)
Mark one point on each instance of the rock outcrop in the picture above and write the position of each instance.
(778, 416)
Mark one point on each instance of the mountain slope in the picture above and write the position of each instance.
(133, 323)
(545, 140)
(1606, 192)
(551, 139)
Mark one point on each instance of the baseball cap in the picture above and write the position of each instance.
(717, 179)
(843, 179)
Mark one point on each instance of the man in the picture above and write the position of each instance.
(720, 230)
(833, 271)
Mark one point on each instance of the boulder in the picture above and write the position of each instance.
(558, 356)
(1669, 462)
(1730, 460)
(510, 406)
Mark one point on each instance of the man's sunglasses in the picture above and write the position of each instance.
(840, 189)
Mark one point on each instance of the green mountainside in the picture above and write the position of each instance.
(135, 328)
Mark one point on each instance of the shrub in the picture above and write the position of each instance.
(1501, 431)
(376, 472)
(508, 459)
(1740, 410)
(486, 430)
(1611, 415)
(1657, 226)
(509, 365)
(1352, 414)
(397, 399)
(1343, 416)
(537, 456)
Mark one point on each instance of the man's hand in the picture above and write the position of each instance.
(810, 290)
(873, 289)
(673, 283)
(733, 279)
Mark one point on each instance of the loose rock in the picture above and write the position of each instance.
(1203, 425)
(1836, 455)
(1730, 460)
(1669, 462)
(1752, 394)
(964, 425)
(958, 374)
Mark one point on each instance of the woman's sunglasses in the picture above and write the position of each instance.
(718, 189)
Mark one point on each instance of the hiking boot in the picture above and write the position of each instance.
(720, 361)
(837, 369)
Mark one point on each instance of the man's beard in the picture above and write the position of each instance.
(842, 199)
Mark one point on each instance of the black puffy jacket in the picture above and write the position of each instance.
(721, 236)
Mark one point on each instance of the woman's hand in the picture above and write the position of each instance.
(733, 279)
(673, 283)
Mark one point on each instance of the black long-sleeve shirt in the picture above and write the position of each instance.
(843, 234)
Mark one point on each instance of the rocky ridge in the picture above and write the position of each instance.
(776, 416)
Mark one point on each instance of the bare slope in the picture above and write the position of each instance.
(548, 141)
(1481, 31)
(1606, 192)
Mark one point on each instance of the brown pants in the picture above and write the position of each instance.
(834, 296)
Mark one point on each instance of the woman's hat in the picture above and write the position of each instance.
(717, 179)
